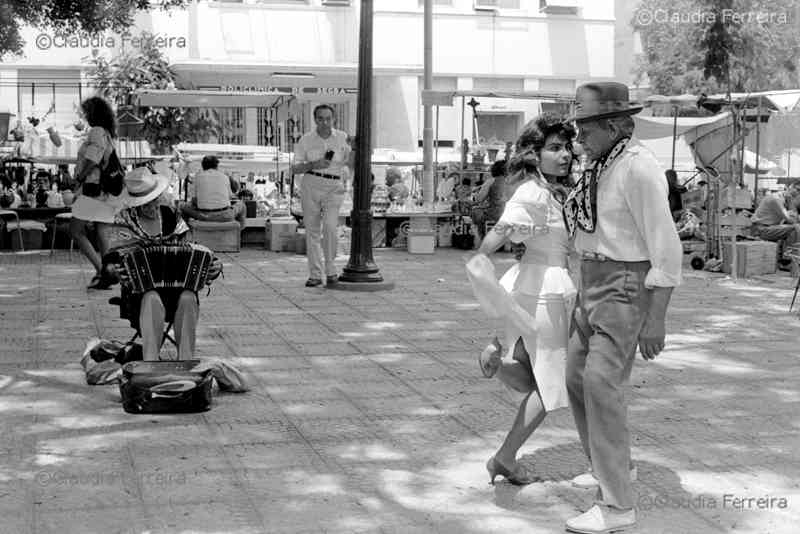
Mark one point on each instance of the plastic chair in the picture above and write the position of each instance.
(4, 213)
(63, 218)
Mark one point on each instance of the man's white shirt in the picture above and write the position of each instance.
(633, 218)
(312, 147)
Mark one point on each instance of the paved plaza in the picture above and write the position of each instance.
(368, 412)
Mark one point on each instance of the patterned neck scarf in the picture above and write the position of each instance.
(580, 207)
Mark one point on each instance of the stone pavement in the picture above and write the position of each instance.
(368, 412)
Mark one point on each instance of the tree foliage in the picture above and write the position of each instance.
(694, 46)
(146, 68)
(70, 16)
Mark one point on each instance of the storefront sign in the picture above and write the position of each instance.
(307, 91)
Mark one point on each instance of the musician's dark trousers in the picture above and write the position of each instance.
(153, 314)
(606, 322)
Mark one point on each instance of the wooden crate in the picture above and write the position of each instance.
(752, 258)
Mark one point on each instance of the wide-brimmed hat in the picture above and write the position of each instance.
(142, 186)
(603, 100)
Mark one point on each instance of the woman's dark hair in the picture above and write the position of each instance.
(531, 141)
(533, 137)
(97, 112)
(498, 168)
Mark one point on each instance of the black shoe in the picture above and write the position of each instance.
(100, 282)
(332, 279)
(313, 282)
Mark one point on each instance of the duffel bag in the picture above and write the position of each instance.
(165, 387)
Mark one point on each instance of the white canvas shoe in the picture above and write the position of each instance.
(602, 520)
(588, 480)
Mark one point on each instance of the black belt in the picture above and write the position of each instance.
(217, 209)
(323, 175)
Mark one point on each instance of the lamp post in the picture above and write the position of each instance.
(361, 272)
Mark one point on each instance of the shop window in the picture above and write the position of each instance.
(497, 128)
(493, 5)
(272, 131)
(557, 85)
(232, 126)
(559, 7)
(56, 91)
(559, 108)
(498, 84)
(437, 3)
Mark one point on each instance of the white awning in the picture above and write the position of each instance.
(445, 98)
(657, 127)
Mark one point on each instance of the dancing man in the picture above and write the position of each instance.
(630, 263)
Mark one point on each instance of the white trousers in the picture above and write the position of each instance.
(321, 199)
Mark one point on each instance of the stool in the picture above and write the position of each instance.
(61, 218)
(4, 213)
(218, 236)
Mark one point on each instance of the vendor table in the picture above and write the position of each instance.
(421, 224)
(40, 213)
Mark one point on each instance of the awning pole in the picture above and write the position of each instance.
(758, 156)
(427, 130)
(674, 133)
(461, 141)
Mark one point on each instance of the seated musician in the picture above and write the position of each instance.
(152, 218)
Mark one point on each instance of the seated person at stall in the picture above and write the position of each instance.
(776, 217)
(394, 181)
(151, 217)
(489, 202)
(675, 194)
(212, 196)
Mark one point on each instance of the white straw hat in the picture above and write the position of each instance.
(142, 186)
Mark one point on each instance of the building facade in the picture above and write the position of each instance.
(310, 48)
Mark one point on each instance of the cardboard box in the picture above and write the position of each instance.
(280, 233)
(752, 258)
(421, 242)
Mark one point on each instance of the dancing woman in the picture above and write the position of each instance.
(533, 296)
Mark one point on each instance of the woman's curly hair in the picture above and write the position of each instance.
(533, 137)
(98, 112)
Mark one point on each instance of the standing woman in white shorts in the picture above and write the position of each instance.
(92, 206)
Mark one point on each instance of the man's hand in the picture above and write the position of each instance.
(320, 164)
(651, 338)
(214, 271)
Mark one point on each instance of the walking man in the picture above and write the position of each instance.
(630, 263)
(323, 156)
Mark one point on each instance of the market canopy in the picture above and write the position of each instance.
(658, 127)
(201, 98)
(445, 98)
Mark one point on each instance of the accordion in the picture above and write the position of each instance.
(149, 267)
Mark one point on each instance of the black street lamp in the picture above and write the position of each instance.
(361, 272)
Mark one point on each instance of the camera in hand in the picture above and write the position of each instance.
(329, 155)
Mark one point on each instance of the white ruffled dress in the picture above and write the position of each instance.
(538, 284)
